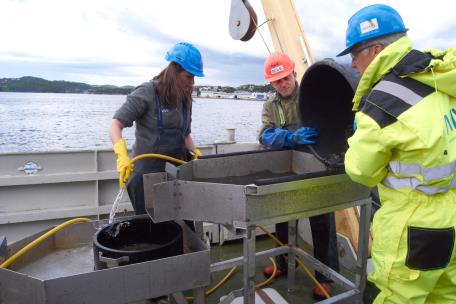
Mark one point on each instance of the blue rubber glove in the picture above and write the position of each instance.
(305, 136)
(276, 137)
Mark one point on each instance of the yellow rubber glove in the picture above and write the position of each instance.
(196, 153)
(124, 164)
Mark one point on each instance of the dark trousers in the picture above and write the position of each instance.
(324, 242)
(135, 189)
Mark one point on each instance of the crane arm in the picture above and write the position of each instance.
(287, 33)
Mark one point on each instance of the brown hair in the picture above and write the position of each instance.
(168, 89)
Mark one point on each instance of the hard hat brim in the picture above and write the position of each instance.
(344, 52)
(348, 49)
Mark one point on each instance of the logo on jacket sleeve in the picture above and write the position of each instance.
(450, 121)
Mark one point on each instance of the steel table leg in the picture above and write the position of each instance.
(249, 266)
(363, 246)
(199, 295)
(177, 298)
(292, 241)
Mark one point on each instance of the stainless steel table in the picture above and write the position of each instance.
(244, 190)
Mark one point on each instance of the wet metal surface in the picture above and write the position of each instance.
(61, 263)
(243, 180)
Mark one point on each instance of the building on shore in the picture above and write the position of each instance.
(209, 92)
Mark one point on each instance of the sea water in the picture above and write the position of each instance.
(50, 121)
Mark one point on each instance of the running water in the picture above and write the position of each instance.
(112, 214)
(114, 229)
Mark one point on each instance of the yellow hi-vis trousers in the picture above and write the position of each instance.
(413, 248)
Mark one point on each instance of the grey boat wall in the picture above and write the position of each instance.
(43, 189)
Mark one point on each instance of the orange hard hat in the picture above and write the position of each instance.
(277, 66)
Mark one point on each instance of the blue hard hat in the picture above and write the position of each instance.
(372, 22)
(188, 57)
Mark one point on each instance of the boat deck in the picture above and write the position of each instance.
(232, 249)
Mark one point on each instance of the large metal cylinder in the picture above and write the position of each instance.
(325, 103)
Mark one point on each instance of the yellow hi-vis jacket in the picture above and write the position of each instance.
(405, 143)
(406, 129)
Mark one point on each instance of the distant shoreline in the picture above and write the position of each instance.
(228, 98)
(30, 84)
(82, 93)
(194, 97)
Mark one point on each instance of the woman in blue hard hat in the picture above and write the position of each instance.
(161, 110)
(405, 143)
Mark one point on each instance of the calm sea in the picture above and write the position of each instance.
(50, 122)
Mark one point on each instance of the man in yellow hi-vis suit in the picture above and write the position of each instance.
(405, 143)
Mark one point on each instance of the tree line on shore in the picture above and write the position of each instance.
(31, 84)
(40, 85)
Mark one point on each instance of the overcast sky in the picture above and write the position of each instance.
(123, 42)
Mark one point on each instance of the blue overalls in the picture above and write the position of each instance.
(170, 142)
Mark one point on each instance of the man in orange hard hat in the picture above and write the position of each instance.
(281, 127)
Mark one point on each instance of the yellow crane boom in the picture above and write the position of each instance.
(287, 33)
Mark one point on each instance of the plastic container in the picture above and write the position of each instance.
(135, 240)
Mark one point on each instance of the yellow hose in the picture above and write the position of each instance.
(300, 263)
(269, 280)
(38, 240)
(220, 283)
(161, 156)
(231, 272)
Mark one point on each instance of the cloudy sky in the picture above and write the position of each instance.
(123, 42)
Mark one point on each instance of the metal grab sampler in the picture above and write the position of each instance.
(61, 270)
(235, 191)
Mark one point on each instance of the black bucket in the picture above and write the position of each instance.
(325, 103)
(135, 240)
